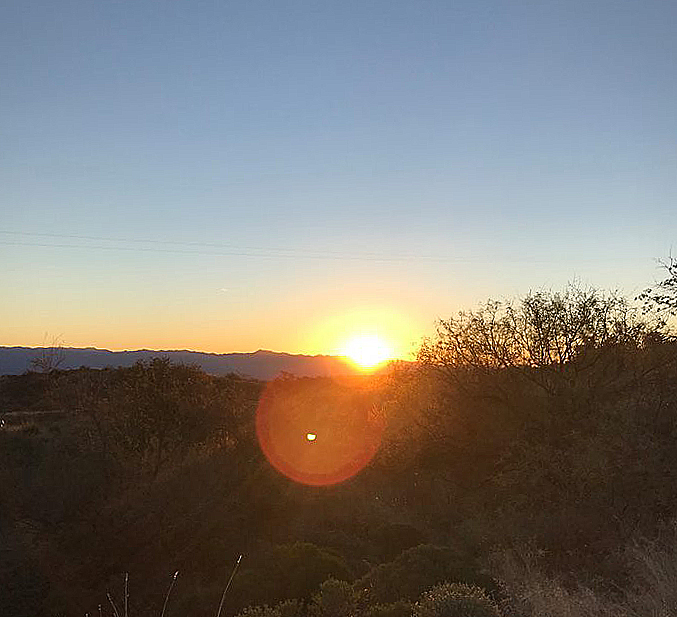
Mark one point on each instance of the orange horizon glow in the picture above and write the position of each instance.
(367, 337)
(367, 351)
(327, 332)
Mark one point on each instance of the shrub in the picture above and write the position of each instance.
(291, 608)
(455, 600)
(259, 611)
(159, 411)
(392, 539)
(287, 571)
(416, 570)
(335, 599)
(396, 609)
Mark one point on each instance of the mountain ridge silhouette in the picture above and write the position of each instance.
(260, 364)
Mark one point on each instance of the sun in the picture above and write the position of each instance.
(367, 351)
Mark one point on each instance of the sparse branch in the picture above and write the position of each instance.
(548, 337)
(662, 297)
(49, 357)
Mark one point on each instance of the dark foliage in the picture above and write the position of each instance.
(455, 600)
(416, 570)
(662, 297)
(547, 422)
(287, 571)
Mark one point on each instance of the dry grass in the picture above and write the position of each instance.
(531, 593)
(651, 591)
(653, 566)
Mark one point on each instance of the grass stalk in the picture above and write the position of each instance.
(171, 586)
(126, 593)
(230, 580)
(115, 609)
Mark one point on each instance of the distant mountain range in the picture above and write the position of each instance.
(260, 364)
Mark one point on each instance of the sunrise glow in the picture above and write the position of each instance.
(368, 351)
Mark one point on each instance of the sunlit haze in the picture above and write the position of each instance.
(367, 351)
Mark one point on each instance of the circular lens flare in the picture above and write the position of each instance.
(346, 418)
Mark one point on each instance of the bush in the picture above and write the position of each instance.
(291, 608)
(287, 608)
(392, 539)
(287, 571)
(455, 600)
(335, 599)
(416, 570)
(159, 411)
(396, 609)
(259, 611)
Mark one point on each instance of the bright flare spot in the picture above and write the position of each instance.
(311, 436)
(368, 351)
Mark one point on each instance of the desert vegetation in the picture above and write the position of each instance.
(527, 468)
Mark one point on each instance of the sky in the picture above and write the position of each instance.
(229, 176)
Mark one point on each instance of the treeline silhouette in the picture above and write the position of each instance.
(528, 467)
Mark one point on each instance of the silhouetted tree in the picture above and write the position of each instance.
(49, 358)
(159, 410)
(540, 423)
(547, 337)
(662, 297)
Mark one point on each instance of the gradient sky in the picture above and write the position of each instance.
(228, 176)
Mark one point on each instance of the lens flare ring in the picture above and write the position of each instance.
(343, 416)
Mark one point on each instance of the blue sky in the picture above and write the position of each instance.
(234, 175)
